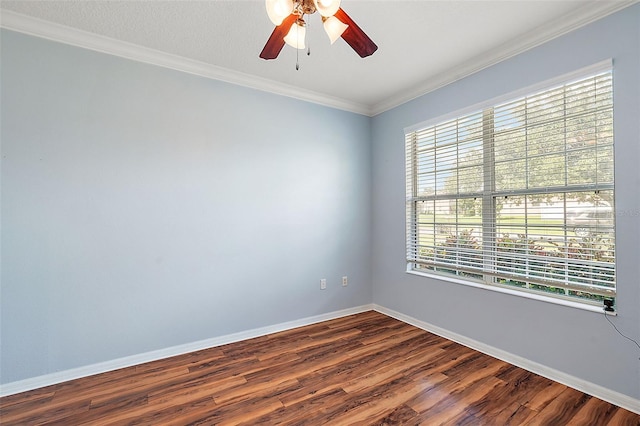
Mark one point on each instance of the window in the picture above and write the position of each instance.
(519, 194)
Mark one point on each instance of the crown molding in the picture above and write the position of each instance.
(75, 37)
(585, 15)
(61, 33)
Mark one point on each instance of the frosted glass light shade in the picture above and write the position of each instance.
(278, 10)
(327, 8)
(334, 28)
(295, 37)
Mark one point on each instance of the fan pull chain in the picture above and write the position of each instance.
(297, 44)
(308, 44)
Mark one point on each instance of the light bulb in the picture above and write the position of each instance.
(334, 28)
(278, 10)
(327, 8)
(295, 37)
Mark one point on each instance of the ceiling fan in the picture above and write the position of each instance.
(288, 16)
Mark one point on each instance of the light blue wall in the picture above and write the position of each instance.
(577, 342)
(144, 208)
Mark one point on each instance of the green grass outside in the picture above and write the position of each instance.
(503, 223)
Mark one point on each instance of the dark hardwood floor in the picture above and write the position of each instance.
(365, 369)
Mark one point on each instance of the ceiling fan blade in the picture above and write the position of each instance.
(355, 37)
(275, 43)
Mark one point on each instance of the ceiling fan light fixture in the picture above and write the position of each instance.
(327, 8)
(278, 10)
(334, 28)
(292, 31)
(296, 35)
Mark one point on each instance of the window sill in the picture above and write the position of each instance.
(539, 297)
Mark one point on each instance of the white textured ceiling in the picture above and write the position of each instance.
(422, 44)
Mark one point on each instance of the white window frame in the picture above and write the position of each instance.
(487, 280)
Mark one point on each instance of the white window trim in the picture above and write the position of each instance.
(584, 304)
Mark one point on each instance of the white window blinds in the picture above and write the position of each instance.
(520, 193)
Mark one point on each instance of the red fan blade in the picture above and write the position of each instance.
(355, 37)
(275, 43)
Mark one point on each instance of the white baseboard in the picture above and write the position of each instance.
(102, 367)
(598, 391)
(592, 389)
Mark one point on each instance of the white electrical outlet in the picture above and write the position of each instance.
(323, 284)
(344, 281)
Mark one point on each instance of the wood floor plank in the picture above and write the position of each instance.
(130, 386)
(37, 396)
(29, 403)
(401, 415)
(623, 417)
(189, 359)
(372, 403)
(519, 386)
(173, 414)
(452, 408)
(593, 412)
(192, 391)
(363, 369)
(199, 395)
(392, 370)
(357, 320)
(562, 409)
(355, 373)
(309, 361)
(46, 413)
(545, 396)
(308, 411)
(236, 414)
(514, 414)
